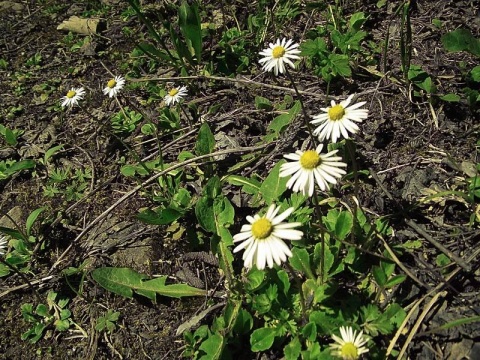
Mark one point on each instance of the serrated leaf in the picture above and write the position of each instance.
(124, 281)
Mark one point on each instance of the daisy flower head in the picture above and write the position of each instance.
(114, 86)
(308, 167)
(74, 95)
(339, 119)
(350, 345)
(263, 238)
(175, 95)
(3, 244)
(277, 55)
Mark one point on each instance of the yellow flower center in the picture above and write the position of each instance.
(278, 52)
(71, 94)
(336, 112)
(262, 228)
(173, 92)
(310, 159)
(349, 351)
(111, 84)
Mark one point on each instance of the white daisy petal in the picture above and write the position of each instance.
(175, 95)
(350, 345)
(74, 95)
(3, 244)
(313, 167)
(264, 240)
(114, 86)
(339, 120)
(278, 54)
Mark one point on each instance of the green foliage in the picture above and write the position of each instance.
(344, 40)
(23, 240)
(126, 282)
(107, 323)
(461, 40)
(125, 121)
(55, 314)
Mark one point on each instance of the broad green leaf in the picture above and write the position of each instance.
(159, 217)
(316, 47)
(205, 215)
(213, 347)
(343, 225)
(255, 279)
(340, 65)
(292, 349)
(125, 281)
(10, 137)
(205, 140)
(357, 20)
(262, 339)
(244, 322)
(273, 186)
(475, 73)
(262, 103)
(309, 331)
(450, 98)
(461, 40)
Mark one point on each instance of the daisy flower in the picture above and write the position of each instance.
(263, 238)
(279, 54)
(350, 345)
(339, 119)
(175, 95)
(73, 97)
(3, 244)
(312, 166)
(114, 86)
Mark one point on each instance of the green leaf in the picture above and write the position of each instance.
(10, 137)
(262, 103)
(250, 186)
(357, 20)
(450, 97)
(262, 339)
(31, 219)
(213, 347)
(280, 123)
(340, 65)
(301, 261)
(461, 40)
(255, 279)
(379, 276)
(124, 281)
(205, 140)
(190, 26)
(159, 217)
(273, 186)
(313, 47)
(395, 280)
(61, 325)
(475, 73)
(339, 222)
(292, 349)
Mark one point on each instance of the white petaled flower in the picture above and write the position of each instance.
(73, 97)
(263, 238)
(308, 167)
(350, 346)
(3, 244)
(175, 95)
(279, 54)
(339, 119)
(114, 86)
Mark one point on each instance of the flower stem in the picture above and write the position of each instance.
(305, 116)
